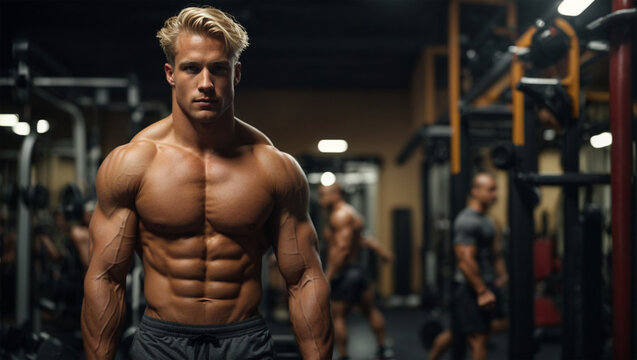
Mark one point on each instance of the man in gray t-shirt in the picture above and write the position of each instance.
(473, 227)
(480, 272)
(480, 265)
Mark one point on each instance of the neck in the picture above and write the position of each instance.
(476, 205)
(217, 136)
(336, 204)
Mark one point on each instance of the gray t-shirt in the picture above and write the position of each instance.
(474, 228)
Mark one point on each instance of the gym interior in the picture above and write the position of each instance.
(400, 102)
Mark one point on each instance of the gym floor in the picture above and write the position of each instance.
(403, 325)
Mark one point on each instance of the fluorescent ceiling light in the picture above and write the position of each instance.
(328, 178)
(8, 120)
(598, 45)
(549, 134)
(601, 140)
(22, 128)
(42, 126)
(573, 7)
(332, 146)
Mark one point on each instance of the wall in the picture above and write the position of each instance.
(429, 102)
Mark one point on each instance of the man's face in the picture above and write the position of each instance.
(327, 196)
(486, 190)
(203, 77)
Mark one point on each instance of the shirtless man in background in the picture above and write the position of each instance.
(349, 284)
(201, 196)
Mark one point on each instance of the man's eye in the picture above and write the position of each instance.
(219, 70)
(191, 68)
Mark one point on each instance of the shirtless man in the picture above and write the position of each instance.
(201, 196)
(349, 284)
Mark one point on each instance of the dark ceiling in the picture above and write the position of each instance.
(371, 44)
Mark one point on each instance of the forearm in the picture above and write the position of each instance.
(471, 272)
(103, 312)
(386, 255)
(310, 316)
(376, 247)
(50, 248)
(500, 266)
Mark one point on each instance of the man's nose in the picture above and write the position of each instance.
(205, 80)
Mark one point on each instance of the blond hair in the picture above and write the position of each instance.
(207, 21)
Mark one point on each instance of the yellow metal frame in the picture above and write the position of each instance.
(493, 93)
(597, 96)
(454, 67)
(517, 72)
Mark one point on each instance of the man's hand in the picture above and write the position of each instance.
(501, 281)
(387, 257)
(486, 299)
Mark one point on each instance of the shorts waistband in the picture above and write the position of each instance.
(239, 328)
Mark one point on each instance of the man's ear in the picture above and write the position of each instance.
(170, 74)
(237, 73)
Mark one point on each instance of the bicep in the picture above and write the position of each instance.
(369, 243)
(113, 227)
(294, 237)
(464, 233)
(465, 252)
(296, 247)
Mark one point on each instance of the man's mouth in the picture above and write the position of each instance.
(206, 101)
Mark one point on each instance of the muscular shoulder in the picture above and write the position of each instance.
(466, 227)
(278, 167)
(155, 132)
(251, 135)
(282, 176)
(467, 218)
(343, 216)
(120, 175)
(284, 172)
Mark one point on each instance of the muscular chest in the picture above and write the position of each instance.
(186, 195)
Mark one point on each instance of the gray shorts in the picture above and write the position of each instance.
(349, 284)
(158, 340)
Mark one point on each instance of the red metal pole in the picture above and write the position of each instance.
(621, 174)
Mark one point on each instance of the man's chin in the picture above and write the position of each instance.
(205, 120)
(205, 117)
